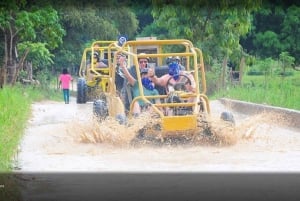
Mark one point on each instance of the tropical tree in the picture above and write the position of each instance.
(287, 61)
(28, 24)
(86, 22)
(291, 31)
(276, 29)
(37, 59)
(215, 27)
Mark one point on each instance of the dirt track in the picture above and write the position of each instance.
(53, 142)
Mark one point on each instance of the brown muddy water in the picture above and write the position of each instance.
(64, 138)
(64, 155)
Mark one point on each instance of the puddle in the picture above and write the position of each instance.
(64, 138)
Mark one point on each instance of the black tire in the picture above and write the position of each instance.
(227, 116)
(100, 109)
(81, 91)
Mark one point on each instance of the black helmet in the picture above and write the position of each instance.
(169, 60)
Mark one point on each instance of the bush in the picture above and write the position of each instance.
(255, 73)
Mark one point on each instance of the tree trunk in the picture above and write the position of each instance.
(10, 55)
(29, 70)
(242, 65)
(11, 72)
(2, 76)
(20, 66)
(4, 66)
(224, 67)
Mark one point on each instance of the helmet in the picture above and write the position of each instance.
(177, 58)
(143, 56)
(174, 70)
(169, 60)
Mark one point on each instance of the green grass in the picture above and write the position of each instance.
(272, 90)
(15, 107)
(15, 110)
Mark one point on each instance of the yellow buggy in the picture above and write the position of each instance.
(188, 119)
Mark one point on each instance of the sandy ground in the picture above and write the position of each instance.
(53, 143)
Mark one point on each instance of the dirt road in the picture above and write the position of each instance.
(56, 144)
(53, 142)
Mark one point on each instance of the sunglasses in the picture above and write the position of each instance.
(144, 61)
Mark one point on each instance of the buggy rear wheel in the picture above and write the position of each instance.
(81, 91)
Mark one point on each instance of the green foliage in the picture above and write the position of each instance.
(276, 91)
(266, 67)
(91, 22)
(31, 28)
(40, 24)
(275, 30)
(15, 110)
(268, 43)
(213, 77)
(39, 55)
(290, 32)
(15, 107)
(213, 27)
(286, 60)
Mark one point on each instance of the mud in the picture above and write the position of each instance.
(98, 161)
(65, 138)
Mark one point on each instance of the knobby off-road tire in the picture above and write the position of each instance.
(227, 116)
(100, 109)
(81, 91)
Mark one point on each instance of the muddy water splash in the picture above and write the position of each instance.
(254, 128)
(71, 141)
(109, 131)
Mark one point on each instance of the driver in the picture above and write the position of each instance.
(148, 86)
(174, 76)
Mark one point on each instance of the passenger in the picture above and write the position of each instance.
(176, 59)
(97, 62)
(143, 62)
(148, 86)
(174, 76)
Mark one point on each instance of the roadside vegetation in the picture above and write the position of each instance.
(15, 110)
(274, 87)
(257, 38)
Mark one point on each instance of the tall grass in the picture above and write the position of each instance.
(273, 90)
(15, 104)
(15, 107)
(15, 110)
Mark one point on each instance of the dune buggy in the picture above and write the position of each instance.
(189, 119)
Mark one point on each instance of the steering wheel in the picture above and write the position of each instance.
(179, 85)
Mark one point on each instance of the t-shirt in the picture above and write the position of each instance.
(65, 80)
(147, 92)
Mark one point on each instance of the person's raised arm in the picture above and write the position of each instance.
(156, 80)
(123, 66)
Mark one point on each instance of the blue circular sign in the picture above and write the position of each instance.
(122, 40)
